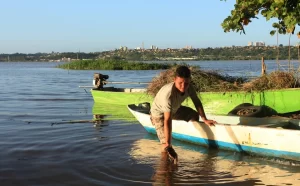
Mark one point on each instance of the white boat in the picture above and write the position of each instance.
(273, 137)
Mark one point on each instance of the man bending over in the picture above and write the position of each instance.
(167, 106)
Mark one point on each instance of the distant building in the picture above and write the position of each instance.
(153, 47)
(66, 59)
(124, 48)
(258, 43)
(188, 47)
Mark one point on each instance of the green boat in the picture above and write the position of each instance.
(218, 103)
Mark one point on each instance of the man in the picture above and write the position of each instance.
(167, 106)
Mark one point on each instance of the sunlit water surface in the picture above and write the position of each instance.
(47, 137)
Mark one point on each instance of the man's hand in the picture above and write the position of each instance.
(209, 122)
(172, 154)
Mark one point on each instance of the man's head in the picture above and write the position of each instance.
(182, 78)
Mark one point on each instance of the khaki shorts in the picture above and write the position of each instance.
(183, 113)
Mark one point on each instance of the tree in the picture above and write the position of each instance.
(287, 12)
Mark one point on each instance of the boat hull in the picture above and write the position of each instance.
(236, 136)
(120, 98)
(112, 112)
(282, 101)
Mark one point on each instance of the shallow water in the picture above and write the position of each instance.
(47, 137)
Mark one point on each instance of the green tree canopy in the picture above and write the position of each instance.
(287, 12)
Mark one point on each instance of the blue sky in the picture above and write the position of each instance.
(31, 26)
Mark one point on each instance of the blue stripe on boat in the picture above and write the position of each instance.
(231, 146)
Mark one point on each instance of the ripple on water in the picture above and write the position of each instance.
(39, 146)
(203, 166)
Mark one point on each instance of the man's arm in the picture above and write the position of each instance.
(198, 104)
(168, 128)
(203, 116)
(201, 111)
(168, 135)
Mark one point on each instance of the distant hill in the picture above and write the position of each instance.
(197, 54)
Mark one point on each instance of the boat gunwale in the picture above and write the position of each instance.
(108, 89)
(120, 90)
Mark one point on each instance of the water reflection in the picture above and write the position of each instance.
(113, 112)
(98, 119)
(163, 171)
(198, 165)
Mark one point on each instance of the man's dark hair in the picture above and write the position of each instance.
(183, 72)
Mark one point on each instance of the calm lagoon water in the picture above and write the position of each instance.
(42, 144)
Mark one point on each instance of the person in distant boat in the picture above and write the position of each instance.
(167, 106)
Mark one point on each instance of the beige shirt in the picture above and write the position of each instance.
(169, 99)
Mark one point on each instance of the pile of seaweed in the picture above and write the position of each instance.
(213, 81)
(273, 81)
